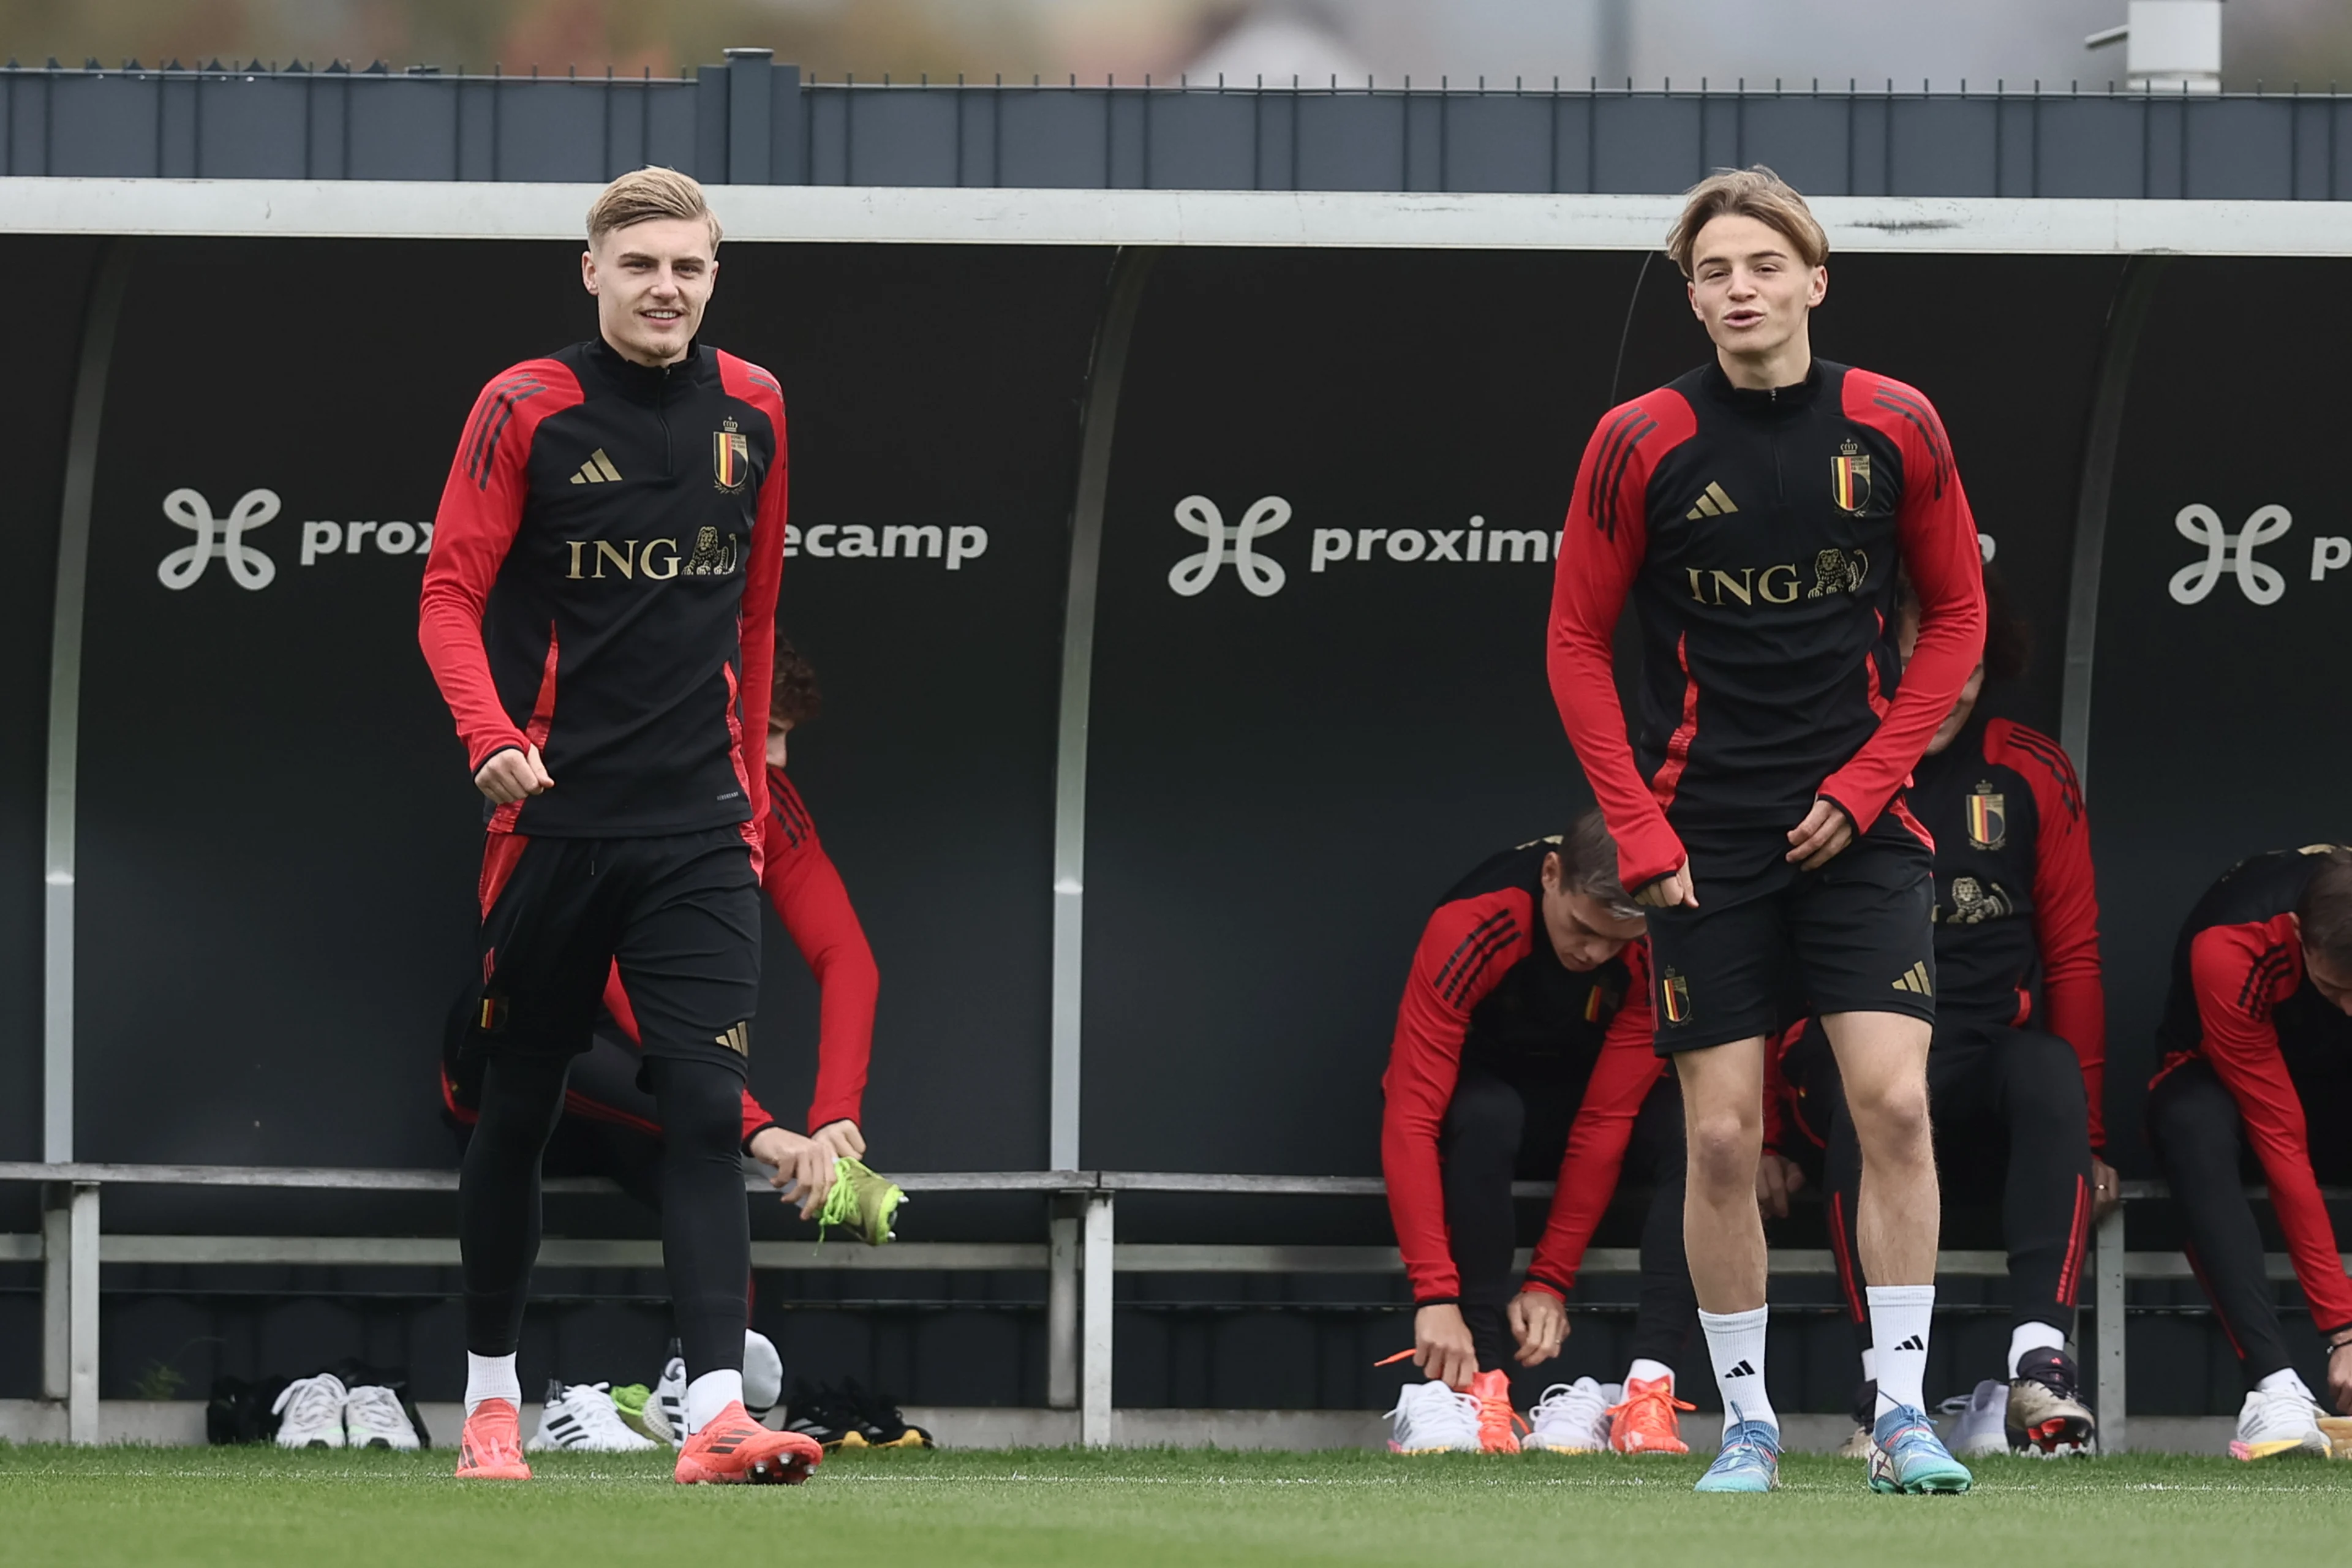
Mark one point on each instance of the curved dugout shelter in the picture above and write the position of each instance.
(1177, 563)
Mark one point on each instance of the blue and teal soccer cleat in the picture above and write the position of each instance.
(1749, 1462)
(1906, 1456)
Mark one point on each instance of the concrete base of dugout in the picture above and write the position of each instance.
(180, 1421)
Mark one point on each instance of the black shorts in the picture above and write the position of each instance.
(1852, 937)
(680, 914)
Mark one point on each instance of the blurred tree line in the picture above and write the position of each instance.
(868, 37)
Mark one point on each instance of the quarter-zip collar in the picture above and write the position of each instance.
(648, 384)
(1768, 401)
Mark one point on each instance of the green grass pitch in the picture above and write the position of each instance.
(1134, 1509)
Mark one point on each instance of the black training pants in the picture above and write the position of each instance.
(1496, 1132)
(1991, 1090)
(2199, 1136)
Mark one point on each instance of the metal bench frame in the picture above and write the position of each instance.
(1080, 1259)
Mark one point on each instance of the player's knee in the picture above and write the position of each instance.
(701, 1104)
(1483, 1122)
(1890, 1117)
(1724, 1148)
(2049, 1102)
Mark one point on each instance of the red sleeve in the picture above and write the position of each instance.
(481, 507)
(2239, 973)
(1937, 535)
(1623, 1076)
(616, 1002)
(1601, 549)
(1466, 950)
(810, 899)
(764, 574)
(2065, 902)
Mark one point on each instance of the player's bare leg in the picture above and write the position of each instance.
(1882, 1060)
(1723, 1233)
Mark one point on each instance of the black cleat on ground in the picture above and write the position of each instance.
(844, 1416)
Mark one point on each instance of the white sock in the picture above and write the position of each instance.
(491, 1377)
(2287, 1382)
(2027, 1337)
(1650, 1371)
(708, 1394)
(1900, 1317)
(1735, 1344)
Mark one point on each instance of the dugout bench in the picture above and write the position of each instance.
(1079, 1257)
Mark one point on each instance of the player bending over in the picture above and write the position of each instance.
(599, 610)
(1523, 1050)
(2256, 1086)
(2019, 1046)
(612, 1126)
(1757, 509)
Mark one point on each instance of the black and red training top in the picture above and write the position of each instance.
(603, 585)
(1486, 986)
(2017, 905)
(1759, 532)
(2240, 1000)
(801, 882)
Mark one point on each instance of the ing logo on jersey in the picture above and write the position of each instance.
(1674, 997)
(1850, 478)
(1987, 817)
(730, 457)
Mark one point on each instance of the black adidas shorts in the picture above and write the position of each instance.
(679, 913)
(1853, 937)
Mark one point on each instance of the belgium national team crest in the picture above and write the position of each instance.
(730, 457)
(1987, 817)
(1674, 997)
(1850, 478)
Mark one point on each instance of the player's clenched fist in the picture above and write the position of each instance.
(511, 776)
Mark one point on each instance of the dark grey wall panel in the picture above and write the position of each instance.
(333, 124)
(2216, 724)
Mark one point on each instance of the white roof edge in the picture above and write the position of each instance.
(355, 209)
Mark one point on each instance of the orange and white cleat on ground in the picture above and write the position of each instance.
(490, 1447)
(1492, 1390)
(1643, 1421)
(734, 1449)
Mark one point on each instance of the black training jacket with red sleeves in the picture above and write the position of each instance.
(1759, 533)
(2240, 999)
(1487, 988)
(2017, 905)
(603, 585)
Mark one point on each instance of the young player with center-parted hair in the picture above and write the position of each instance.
(1756, 510)
(598, 611)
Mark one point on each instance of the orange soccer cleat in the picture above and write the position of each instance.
(1492, 1390)
(734, 1449)
(490, 1447)
(1643, 1421)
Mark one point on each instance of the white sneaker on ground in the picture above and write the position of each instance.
(1980, 1420)
(374, 1418)
(1570, 1418)
(669, 1399)
(311, 1413)
(764, 1375)
(582, 1419)
(1431, 1418)
(2283, 1420)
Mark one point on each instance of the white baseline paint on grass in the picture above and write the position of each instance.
(357, 209)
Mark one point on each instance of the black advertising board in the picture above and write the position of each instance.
(1299, 743)
(279, 843)
(34, 411)
(2217, 720)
